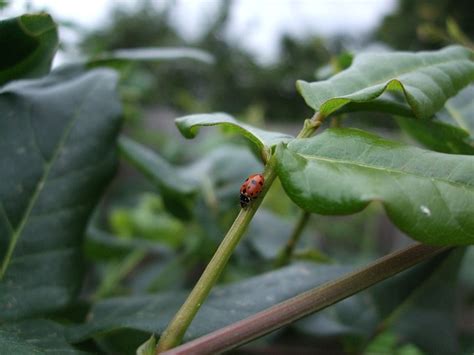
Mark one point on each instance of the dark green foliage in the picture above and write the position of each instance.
(57, 154)
(28, 44)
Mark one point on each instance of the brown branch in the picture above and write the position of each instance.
(308, 302)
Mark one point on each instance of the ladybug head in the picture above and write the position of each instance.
(244, 200)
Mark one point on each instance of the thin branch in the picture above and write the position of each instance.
(173, 334)
(175, 330)
(284, 255)
(308, 302)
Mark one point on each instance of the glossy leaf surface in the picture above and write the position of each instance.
(428, 195)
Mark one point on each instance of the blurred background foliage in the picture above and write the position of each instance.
(137, 243)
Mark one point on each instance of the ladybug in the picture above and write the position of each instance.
(250, 189)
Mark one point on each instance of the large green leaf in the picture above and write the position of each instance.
(264, 140)
(453, 129)
(28, 44)
(34, 337)
(438, 136)
(428, 195)
(426, 79)
(239, 300)
(57, 153)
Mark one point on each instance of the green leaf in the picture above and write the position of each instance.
(174, 186)
(426, 79)
(428, 195)
(387, 343)
(153, 312)
(452, 131)
(151, 54)
(28, 44)
(101, 245)
(57, 154)
(147, 220)
(419, 305)
(165, 176)
(438, 136)
(355, 317)
(335, 65)
(34, 337)
(268, 233)
(264, 140)
(148, 347)
(459, 111)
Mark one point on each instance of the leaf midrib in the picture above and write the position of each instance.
(41, 183)
(388, 170)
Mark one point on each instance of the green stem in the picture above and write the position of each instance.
(284, 255)
(308, 302)
(174, 333)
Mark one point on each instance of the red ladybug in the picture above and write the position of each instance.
(250, 189)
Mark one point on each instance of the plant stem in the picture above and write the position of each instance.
(284, 255)
(311, 125)
(174, 333)
(175, 330)
(308, 302)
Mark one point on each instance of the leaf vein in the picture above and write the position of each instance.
(40, 185)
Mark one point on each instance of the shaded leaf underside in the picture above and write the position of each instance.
(189, 127)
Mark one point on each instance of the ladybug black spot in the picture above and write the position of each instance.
(261, 183)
